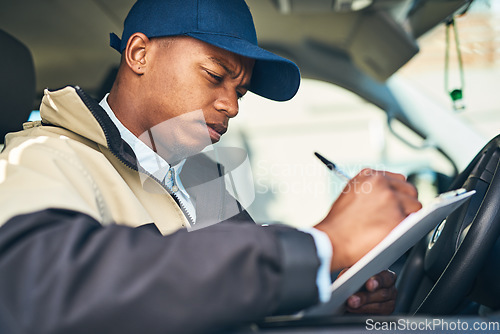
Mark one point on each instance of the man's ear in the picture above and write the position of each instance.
(135, 52)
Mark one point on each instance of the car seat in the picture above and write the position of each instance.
(17, 84)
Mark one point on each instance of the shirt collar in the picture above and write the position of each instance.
(146, 157)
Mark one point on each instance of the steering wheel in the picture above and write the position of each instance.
(441, 269)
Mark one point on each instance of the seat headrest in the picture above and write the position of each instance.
(17, 84)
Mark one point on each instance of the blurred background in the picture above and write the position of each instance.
(375, 90)
(293, 186)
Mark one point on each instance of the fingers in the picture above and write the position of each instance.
(380, 308)
(400, 185)
(408, 204)
(342, 272)
(382, 301)
(398, 190)
(384, 279)
(365, 298)
(370, 206)
(369, 171)
(395, 181)
(406, 194)
(379, 297)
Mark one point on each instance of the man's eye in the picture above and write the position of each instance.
(214, 76)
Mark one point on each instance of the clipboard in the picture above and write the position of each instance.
(392, 247)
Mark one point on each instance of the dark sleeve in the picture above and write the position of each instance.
(62, 272)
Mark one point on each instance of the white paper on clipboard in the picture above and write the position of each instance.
(395, 244)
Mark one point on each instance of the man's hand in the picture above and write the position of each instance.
(377, 297)
(370, 206)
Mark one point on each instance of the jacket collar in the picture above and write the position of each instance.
(71, 108)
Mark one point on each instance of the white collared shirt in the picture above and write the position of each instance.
(153, 163)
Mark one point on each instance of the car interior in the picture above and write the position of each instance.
(17, 86)
(357, 45)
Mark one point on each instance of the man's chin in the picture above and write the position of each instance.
(175, 156)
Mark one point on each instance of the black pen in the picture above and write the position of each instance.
(331, 166)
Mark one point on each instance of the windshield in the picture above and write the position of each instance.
(281, 138)
(479, 40)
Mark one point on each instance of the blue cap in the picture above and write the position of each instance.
(227, 24)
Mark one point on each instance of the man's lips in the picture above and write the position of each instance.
(216, 131)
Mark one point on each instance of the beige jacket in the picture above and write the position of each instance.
(70, 164)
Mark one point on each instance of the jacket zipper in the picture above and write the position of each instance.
(86, 100)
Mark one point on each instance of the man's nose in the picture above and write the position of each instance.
(227, 102)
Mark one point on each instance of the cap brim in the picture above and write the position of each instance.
(273, 77)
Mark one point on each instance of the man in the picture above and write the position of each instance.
(96, 220)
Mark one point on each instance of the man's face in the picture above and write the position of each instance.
(191, 90)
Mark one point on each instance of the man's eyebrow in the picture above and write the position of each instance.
(228, 70)
(223, 65)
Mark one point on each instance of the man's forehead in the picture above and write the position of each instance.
(215, 53)
(221, 63)
(233, 64)
(232, 68)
